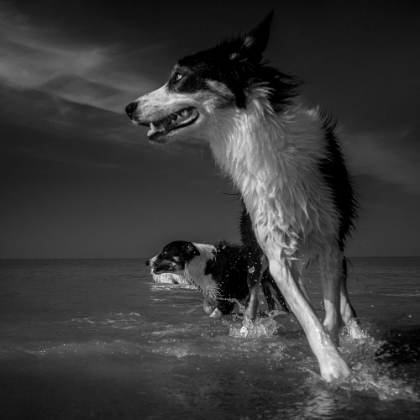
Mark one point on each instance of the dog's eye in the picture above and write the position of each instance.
(178, 77)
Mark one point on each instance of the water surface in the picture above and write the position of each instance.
(98, 339)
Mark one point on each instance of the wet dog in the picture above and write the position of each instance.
(219, 271)
(286, 161)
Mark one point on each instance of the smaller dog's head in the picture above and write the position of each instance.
(173, 258)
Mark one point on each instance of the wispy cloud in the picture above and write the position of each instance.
(44, 60)
(392, 157)
(35, 58)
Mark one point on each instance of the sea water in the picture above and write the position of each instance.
(84, 339)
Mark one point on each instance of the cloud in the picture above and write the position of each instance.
(391, 157)
(35, 58)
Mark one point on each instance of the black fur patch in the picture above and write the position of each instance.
(237, 63)
(248, 238)
(229, 270)
(185, 250)
(337, 178)
(186, 80)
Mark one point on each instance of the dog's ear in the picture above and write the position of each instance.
(254, 42)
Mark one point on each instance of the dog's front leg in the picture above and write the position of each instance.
(266, 287)
(269, 286)
(347, 311)
(332, 277)
(285, 272)
(256, 265)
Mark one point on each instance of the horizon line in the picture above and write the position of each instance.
(145, 258)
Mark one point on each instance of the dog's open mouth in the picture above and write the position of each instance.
(163, 269)
(174, 121)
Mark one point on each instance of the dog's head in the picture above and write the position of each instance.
(219, 78)
(173, 258)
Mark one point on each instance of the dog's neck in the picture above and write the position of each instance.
(194, 271)
(272, 158)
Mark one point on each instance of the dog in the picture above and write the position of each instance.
(219, 271)
(284, 158)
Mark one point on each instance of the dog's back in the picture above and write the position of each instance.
(229, 270)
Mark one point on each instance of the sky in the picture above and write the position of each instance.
(79, 180)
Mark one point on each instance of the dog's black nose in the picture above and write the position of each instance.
(131, 108)
(147, 263)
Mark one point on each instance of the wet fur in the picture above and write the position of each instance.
(219, 271)
(285, 160)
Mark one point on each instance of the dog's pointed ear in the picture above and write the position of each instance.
(255, 42)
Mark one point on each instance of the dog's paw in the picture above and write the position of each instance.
(216, 314)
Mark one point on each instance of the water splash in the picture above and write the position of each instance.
(371, 373)
(383, 386)
(265, 326)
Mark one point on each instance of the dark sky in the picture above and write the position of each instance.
(78, 180)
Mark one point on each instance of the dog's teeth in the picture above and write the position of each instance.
(171, 121)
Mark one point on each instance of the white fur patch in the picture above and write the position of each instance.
(221, 89)
(273, 159)
(194, 271)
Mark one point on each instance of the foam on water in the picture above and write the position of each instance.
(172, 286)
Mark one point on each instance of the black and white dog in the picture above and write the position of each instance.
(220, 271)
(285, 159)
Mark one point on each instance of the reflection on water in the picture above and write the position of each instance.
(98, 339)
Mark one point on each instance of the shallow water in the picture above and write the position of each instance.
(98, 339)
